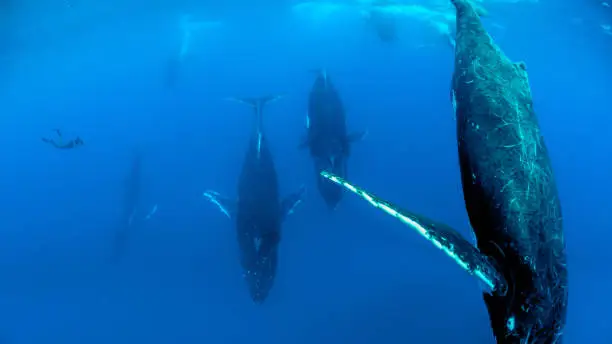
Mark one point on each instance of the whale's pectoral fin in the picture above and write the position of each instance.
(440, 235)
(151, 213)
(356, 136)
(291, 202)
(226, 205)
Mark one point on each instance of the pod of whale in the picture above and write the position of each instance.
(508, 185)
(509, 191)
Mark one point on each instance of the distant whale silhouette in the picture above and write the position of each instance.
(174, 63)
(258, 211)
(509, 190)
(327, 137)
(383, 22)
(131, 203)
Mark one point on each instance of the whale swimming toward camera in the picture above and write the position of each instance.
(327, 137)
(509, 191)
(258, 211)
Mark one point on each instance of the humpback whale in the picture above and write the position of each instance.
(508, 186)
(131, 203)
(131, 199)
(258, 211)
(174, 63)
(327, 137)
(509, 191)
(383, 22)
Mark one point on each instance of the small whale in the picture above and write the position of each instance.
(131, 216)
(327, 137)
(131, 200)
(174, 62)
(258, 211)
(189, 31)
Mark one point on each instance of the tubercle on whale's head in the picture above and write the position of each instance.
(260, 267)
(259, 283)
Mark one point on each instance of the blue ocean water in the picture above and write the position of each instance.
(350, 276)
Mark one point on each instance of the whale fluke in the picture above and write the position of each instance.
(256, 103)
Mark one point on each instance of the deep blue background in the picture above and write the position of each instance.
(353, 276)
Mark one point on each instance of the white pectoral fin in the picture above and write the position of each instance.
(443, 237)
(225, 205)
(290, 203)
(151, 213)
(357, 136)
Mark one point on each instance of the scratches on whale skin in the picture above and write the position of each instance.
(509, 187)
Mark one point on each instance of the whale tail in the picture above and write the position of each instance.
(440, 235)
(258, 105)
(257, 102)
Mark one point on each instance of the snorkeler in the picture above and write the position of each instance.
(60, 142)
